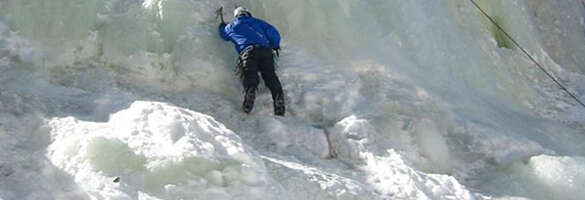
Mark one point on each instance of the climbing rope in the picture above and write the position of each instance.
(529, 56)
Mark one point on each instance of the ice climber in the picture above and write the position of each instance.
(255, 41)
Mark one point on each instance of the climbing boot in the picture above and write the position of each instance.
(249, 97)
(279, 105)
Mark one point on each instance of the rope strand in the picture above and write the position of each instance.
(529, 56)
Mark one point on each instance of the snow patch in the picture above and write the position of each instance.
(561, 177)
(390, 175)
(357, 142)
(158, 150)
(433, 147)
(293, 138)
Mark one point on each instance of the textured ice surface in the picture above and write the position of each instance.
(419, 100)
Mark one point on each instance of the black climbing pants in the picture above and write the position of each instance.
(256, 59)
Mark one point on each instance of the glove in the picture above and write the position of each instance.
(276, 50)
(222, 24)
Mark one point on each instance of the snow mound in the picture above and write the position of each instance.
(356, 141)
(155, 150)
(560, 177)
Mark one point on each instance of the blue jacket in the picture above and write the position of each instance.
(245, 31)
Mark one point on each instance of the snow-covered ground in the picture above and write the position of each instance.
(409, 99)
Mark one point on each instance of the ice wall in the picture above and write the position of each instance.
(420, 100)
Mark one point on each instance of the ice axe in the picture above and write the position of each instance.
(219, 14)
